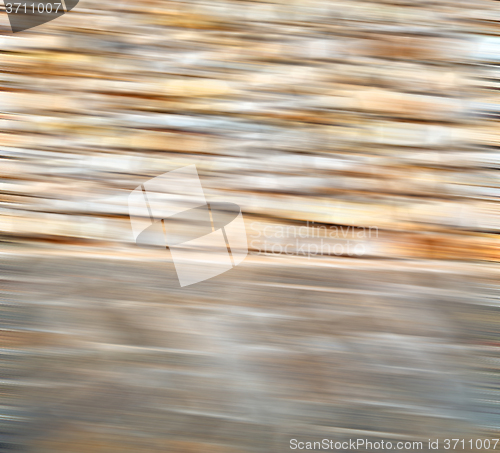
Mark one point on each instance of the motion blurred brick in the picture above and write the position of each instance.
(347, 114)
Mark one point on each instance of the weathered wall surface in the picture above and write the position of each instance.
(347, 123)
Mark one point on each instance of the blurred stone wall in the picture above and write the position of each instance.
(347, 114)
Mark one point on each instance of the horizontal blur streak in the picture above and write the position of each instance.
(359, 140)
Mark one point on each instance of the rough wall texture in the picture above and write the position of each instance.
(374, 122)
